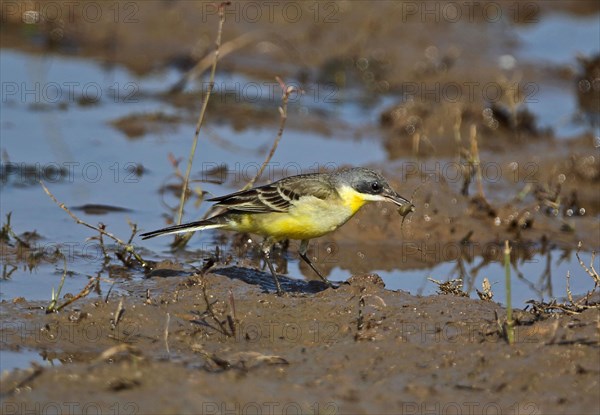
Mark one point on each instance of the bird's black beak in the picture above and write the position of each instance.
(395, 198)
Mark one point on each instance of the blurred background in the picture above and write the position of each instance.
(485, 114)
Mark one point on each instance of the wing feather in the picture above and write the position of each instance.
(278, 196)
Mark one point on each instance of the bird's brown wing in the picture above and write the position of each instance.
(275, 197)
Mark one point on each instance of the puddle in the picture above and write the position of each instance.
(10, 360)
(532, 279)
(540, 277)
(37, 284)
(558, 117)
(547, 42)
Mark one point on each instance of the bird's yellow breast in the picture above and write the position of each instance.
(309, 217)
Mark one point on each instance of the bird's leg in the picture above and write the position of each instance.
(302, 251)
(266, 251)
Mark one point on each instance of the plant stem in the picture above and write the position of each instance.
(56, 295)
(211, 84)
(287, 90)
(476, 162)
(510, 329)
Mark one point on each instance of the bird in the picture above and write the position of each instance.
(300, 207)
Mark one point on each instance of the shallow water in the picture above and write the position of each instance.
(530, 280)
(558, 38)
(544, 44)
(21, 359)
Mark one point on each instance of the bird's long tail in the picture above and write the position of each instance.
(183, 228)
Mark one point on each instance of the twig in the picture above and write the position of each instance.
(118, 314)
(77, 220)
(457, 135)
(416, 140)
(287, 91)
(500, 326)
(127, 247)
(227, 48)
(133, 227)
(211, 85)
(115, 350)
(55, 296)
(30, 374)
(231, 318)
(569, 293)
(83, 293)
(210, 311)
(475, 160)
(7, 232)
(591, 272)
(509, 328)
(360, 321)
(595, 273)
(166, 336)
(102, 247)
(127, 258)
(109, 291)
(5, 273)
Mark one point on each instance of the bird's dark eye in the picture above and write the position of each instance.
(376, 187)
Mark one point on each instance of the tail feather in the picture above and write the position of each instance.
(183, 228)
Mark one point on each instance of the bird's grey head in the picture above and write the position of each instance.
(370, 184)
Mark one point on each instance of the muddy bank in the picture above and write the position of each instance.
(356, 349)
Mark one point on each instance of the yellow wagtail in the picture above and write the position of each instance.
(297, 207)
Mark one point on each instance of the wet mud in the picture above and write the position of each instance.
(210, 344)
(201, 331)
